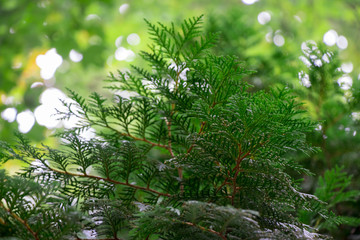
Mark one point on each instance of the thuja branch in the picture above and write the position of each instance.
(147, 189)
(137, 138)
(202, 127)
(105, 124)
(21, 221)
(202, 228)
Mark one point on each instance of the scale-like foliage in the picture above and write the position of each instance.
(29, 210)
(199, 220)
(192, 155)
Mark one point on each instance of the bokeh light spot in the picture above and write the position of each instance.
(50, 100)
(92, 17)
(44, 116)
(345, 82)
(268, 37)
(133, 39)
(330, 37)
(26, 121)
(52, 96)
(298, 18)
(327, 57)
(75, 56)
(355, 116)
(342, 42)
(318, 62)
(126, 94)
(305, 80)
(37, 84)
(347, 67)
(264, 17)
(48, 63)
(9, 114)
(249, 2)
(308, 47)
(279, 40)
(118, 41)
(123, 8)
(123, 54)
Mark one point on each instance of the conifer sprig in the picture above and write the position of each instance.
(191, 155)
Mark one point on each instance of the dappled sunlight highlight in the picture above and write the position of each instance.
(345, 82)
(279, 40)
(126, 94)
(46, 114)
(123, 54)
(50, 100)
(304, 79)
(52, 96)
(330, 37)
(9, 114)
(92, 17)
(342, 42)
(26, 121)
(123, 8)
(264, 17)
(75, 56)
(355, 116)
(249, 2)
(268, 37)
(133, 39)
(308, 47)
(326, 57)
(48, 63)
(297, 18)
(347, 67)
(118, 41)
(37, 84)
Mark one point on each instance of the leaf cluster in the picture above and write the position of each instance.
(192, 154)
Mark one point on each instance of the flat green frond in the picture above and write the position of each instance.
(183, 149)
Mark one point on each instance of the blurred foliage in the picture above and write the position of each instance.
(30, 28)
(333, 189)
(321, 81)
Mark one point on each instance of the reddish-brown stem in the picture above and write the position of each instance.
(20, 220)
(147, 189)
(205, 229)
(222, 185)
(239, 160)
(237, 170)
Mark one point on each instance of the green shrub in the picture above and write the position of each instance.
(191, 155)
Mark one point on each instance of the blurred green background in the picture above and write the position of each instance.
(309, 46)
